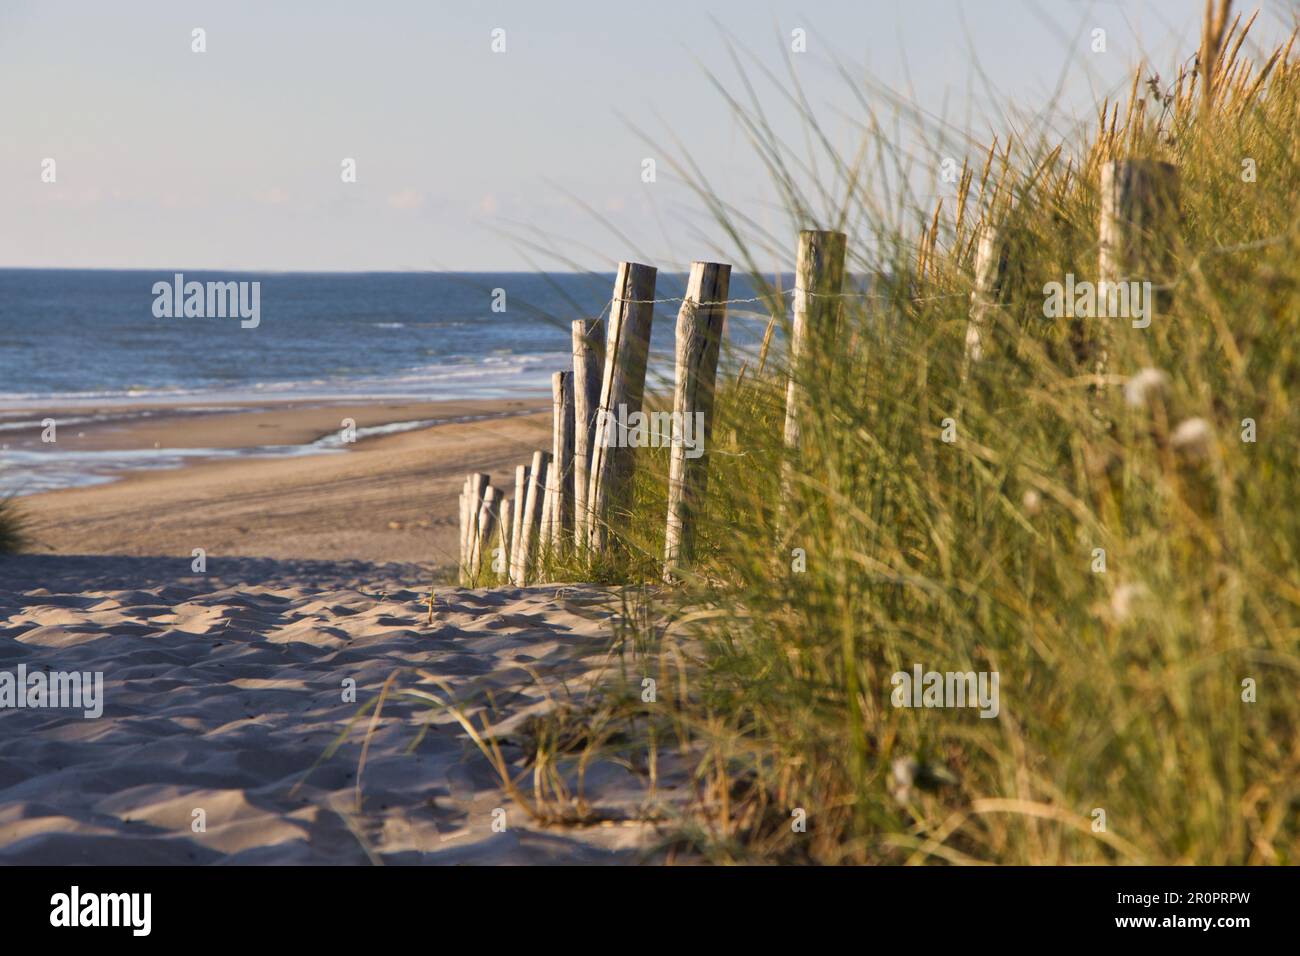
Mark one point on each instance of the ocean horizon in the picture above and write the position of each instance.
(320, 335)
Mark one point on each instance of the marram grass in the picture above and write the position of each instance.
(12, 537)
(1149, 711)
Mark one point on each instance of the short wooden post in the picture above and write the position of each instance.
(544, 529)
(537, 545)
(560, 481)
(984, 294)
(588, 352)
(483, 530)
(462, 561)
(529, 526)
(474, 498)
(1139, 213)
(516, 518)
(819, 278)
(501, 564)
(699, 338)
(621, 391)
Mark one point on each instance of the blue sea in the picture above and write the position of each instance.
(94, 339)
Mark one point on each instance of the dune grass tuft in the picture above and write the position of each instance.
(12, 536)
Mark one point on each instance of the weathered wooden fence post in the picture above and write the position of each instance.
(544, 525)
(516, 518)
(530, 526)
(505, 530)
(627, 348)
(475, 484)
(588, 352)
(1139, 216)
(536, 545)
(462, 562)
(560, 481)
(818, 281)
(989, 254)
(699, 338)
(483, 528)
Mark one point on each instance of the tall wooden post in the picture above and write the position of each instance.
(699, 338)
(984, 294)
(1136, 232)
(588, 354)
(622, 389)
(819, 278)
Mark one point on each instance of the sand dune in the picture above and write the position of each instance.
(223, 691)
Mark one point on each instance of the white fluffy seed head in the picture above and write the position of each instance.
(903, 774)
(1145, 387)
(1193, 439)
(1123, 602)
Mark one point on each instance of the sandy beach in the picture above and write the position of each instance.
(222, 691)
(387, 498)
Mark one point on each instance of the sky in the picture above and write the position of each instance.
(474, 158)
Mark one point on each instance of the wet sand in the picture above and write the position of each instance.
(386, 498)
